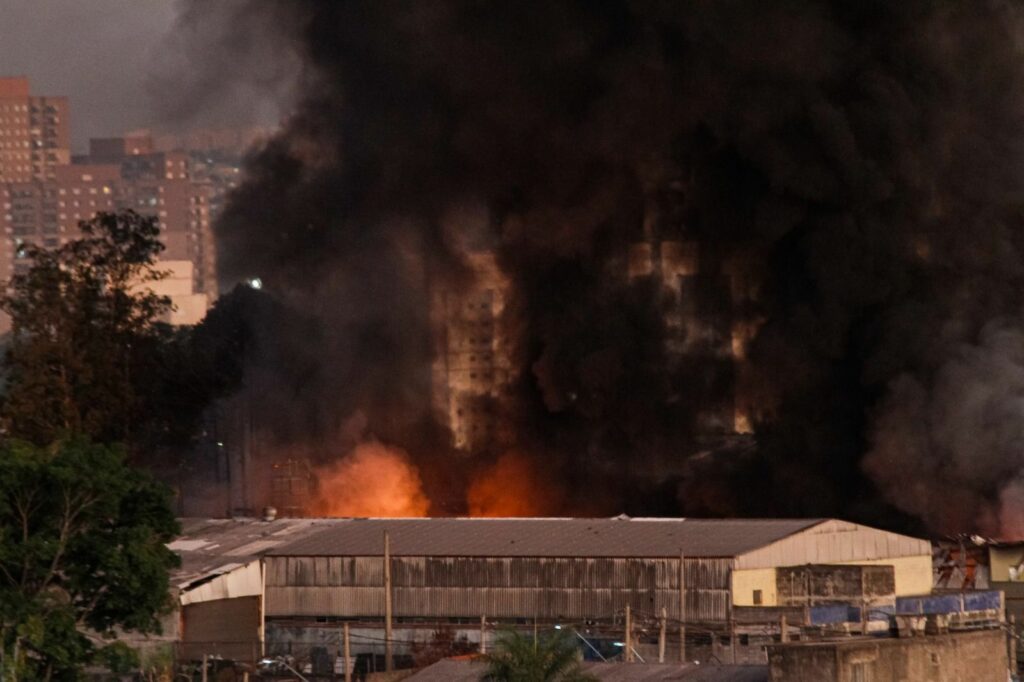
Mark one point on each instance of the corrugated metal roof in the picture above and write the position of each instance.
(616, 537)
(210, 547)
(471, 671)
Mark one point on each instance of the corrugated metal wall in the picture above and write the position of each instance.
(227, 627)
(834, 541)
(467, 587)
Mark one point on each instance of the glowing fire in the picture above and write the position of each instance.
(374, 480)
(512, 486)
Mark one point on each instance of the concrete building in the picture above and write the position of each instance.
(978, 656)
(34, 133)
(44, 193)
(161, 185)
(473, 366)
(187, 305)
(165, 185)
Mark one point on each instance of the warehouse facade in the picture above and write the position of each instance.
(697, 570)
(250, 589)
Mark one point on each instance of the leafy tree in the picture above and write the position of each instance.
(82, 554)
(89, 354)
(553, 657)
(82, 318)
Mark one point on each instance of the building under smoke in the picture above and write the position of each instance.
(798, 219)
(287, 586)
(473, 364)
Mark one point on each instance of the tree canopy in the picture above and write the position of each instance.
(82, 553)
(90, 354)
(82, 317)
(552, 657)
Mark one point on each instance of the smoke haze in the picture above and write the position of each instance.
(854, 169)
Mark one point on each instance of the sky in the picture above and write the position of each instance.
(102, 54)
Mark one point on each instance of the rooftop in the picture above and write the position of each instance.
(544, 537)
(210, 547)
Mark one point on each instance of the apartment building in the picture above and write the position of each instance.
(35, 137)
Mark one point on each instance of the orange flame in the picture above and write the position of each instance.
(512, 486)
(374, 480)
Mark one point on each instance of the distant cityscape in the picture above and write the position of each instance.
(180, 179)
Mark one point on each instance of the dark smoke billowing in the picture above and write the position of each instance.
(862, 162)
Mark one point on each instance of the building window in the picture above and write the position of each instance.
(860, 672)
(758, 598)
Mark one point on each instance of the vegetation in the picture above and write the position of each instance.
(553, 657)
(89, 353)
(82, 554)
(82, 321)
(92, 376)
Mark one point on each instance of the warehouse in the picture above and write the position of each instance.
(217, 590)
(249, 588)
(572, 569)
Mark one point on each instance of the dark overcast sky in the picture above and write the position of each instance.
(100, 53)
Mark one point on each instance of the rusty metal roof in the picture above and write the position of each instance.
(545, 537)
(210, 547)
(471, 671)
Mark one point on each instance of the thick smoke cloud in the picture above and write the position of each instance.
(855, 168)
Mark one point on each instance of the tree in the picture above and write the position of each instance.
(82, 319)
(89, 353)
(552, 657)
(82, 554)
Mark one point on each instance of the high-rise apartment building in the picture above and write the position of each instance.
(706, 337)
(34, 134)
(158, 184)
(472, 367)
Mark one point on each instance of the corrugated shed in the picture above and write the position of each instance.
(225, 582)
(212, 547)
(548, 568)
(616, 537)
(501, 587)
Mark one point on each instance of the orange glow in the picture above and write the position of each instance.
(512, 486)
(374, 480)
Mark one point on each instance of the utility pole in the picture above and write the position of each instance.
(348, 653)
(389, 663)
(733, 641)
(682, 608)
(661, 635)
(483, 634)
(1013, 644)
(629, 635)
(204, 675)
(783, 629)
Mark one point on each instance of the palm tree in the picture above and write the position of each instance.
(549, 658)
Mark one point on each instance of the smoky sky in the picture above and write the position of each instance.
(850, 174)
(111, 57)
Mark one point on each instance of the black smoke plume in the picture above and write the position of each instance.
(853, 170)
